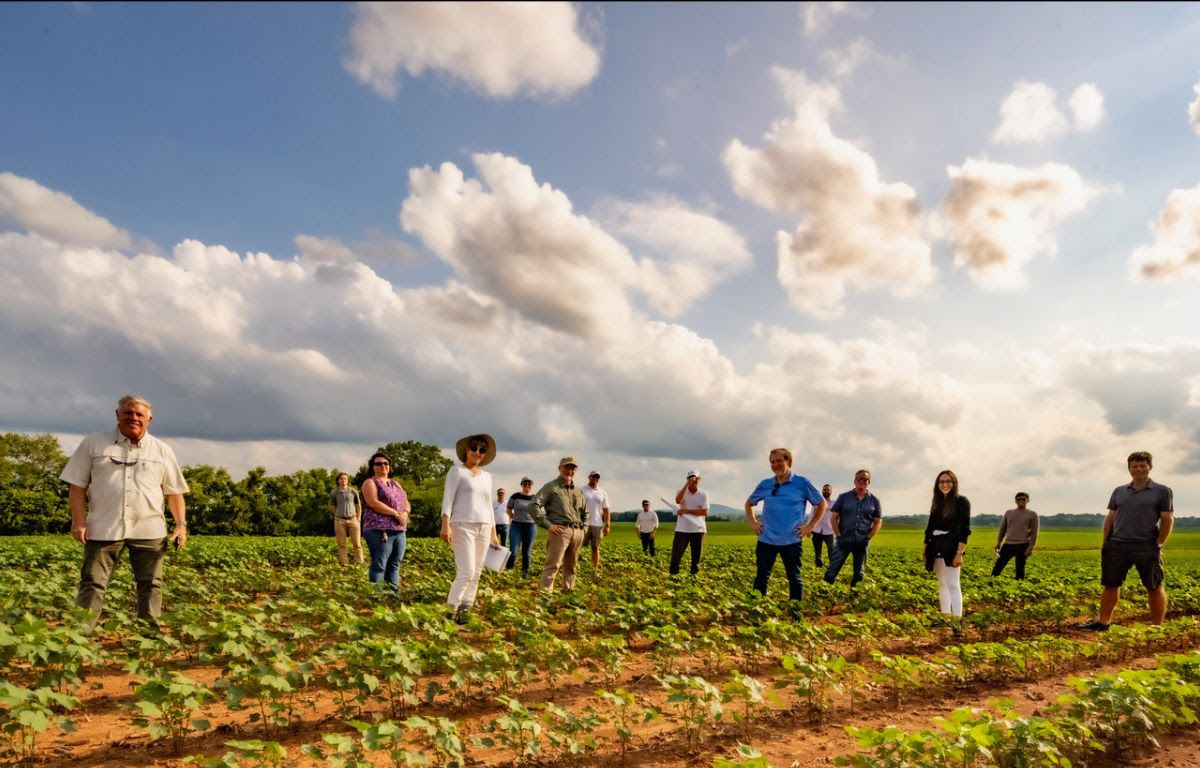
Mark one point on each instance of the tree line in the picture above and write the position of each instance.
(34, 501)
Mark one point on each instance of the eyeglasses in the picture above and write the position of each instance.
(382, 464)
(477, 448)
(123, 463)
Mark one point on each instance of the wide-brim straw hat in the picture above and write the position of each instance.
(460, 448)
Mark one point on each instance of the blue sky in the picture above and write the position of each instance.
(657, 237)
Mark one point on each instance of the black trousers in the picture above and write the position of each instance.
(1008, 552)
(764, 560)
(647, 543)
(819, 539)
(681, 542)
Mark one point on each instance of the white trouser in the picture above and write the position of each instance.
(949, 588)
(470, 543)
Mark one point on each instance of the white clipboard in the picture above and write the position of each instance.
(496, 559)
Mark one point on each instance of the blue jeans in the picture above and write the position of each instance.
(764, 560)
(387, 552)
(843, 548)
(502, 534)
(521, 535)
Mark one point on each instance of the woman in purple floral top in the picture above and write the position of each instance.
(384, 521)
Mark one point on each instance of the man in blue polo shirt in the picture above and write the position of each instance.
(857, 517)
(782, 530)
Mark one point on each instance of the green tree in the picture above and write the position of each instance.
(32, 498)
(210, 493)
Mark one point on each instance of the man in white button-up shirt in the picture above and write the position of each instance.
(119, 479)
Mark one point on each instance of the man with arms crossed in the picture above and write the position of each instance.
(559, 508)
(118, 480)
(691, 522)
(782, 530)
(1140, 517)
(599, 519)
(1020, 528)
(857, 517)
(347, 519)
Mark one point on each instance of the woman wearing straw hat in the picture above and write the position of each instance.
(468, 525)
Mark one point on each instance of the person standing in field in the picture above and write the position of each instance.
(468, 520)
(1140, 517)
(385, 522)
(691, 523)
(647, 525)
(559, 507)
(502, 517)
(823, 531)
(347, 519)
(522, 528)
(1017, 537)
(785, 497)
(118, 482)
(946, 536)
(856, 517)
(599, 521)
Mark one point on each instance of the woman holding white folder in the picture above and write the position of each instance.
(468, 525)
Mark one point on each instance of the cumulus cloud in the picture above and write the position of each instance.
(1194, 109)
(1175, 249)
(55, 215)
(686, 251)
(1143, 388)
(844, 62)
(998, 217)
(523, 242)
(1087, 107)
(1030, 113)
(817, 17)
(501, 50)
(858, 229)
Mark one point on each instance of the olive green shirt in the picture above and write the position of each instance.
(558, 503)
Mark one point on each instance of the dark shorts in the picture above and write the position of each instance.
(1116, 558)
(593, 535)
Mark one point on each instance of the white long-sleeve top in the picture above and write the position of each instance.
(468, 498)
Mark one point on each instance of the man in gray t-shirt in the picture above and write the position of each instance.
(1139, 521)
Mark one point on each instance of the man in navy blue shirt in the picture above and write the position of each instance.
(857, 517)
(782, 531)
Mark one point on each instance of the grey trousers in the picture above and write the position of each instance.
(99, 560)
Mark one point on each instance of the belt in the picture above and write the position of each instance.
(577, 526)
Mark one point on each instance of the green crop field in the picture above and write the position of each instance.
(271, 654)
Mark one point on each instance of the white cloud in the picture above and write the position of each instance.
(1175, 250)
(1087, 107)
(998, 217)
(817, 17)
(46, 212)
(686, 252)
(1030, 113)
(844, 62)
(858, 230)
(499, 49)
(1194, 109)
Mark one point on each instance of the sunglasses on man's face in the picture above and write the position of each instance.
(383, 464)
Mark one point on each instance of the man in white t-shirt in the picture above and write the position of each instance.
(691, 522)
(599, 520)
(501, 516)
(647, 524)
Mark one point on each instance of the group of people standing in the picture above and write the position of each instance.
(121, 479)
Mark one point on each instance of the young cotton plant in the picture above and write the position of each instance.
(167, 705)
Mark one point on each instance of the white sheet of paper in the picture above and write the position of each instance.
(496, 559)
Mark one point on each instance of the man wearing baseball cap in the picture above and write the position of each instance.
(559, 507)
(691, 523)
(599, 518)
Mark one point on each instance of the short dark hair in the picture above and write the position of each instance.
(1021, 495)
(1140, 456)
(371, 461)
(646, 502)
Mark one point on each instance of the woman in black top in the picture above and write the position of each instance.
(946, 538)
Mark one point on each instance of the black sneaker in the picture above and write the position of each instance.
(1095, 625)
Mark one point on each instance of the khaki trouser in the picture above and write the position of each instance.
(347, 527)
(562, 552)
(99, 560)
